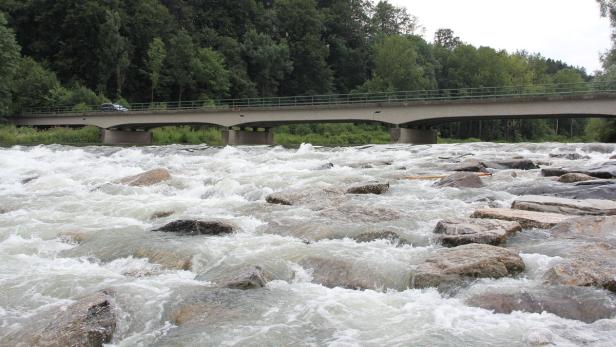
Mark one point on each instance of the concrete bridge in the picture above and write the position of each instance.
(410, 114)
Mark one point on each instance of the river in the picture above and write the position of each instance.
(67, 231)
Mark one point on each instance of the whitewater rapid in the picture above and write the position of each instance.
(49, 194)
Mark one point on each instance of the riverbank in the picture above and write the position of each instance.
(342, 134)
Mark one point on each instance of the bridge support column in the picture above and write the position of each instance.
(413, 136)
(245, 137)
(126, 137)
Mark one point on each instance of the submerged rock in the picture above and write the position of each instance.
(369, 188)
(91, 321)
(583, 304)
(250, 278)
(574, 177)
(74, 237)
(594, 229)
(569, 156)
(565, 206)
(359, 213)
(161, 214)
(456, 232)
(147, 178)
(460, 180)
(471, 165)
(377, 235)
(197, 227)
(333, 273)
(594, 189)
(527, 219)
(454, 265)
(515, 164)
(167, 258)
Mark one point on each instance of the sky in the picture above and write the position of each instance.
(569, 30)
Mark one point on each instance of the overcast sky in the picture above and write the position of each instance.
(569, 30)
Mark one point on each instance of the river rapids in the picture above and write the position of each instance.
(68, 231)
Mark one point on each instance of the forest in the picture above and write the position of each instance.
(86, 52)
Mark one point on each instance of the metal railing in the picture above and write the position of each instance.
(345, 99)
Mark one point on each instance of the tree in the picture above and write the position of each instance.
(398, 67)
(210, 73)
(155, 59)
(9, 56)
(268, 61)
(179, 63)
(388, 20)
(445, 38)
(112, 53)
(34, 86)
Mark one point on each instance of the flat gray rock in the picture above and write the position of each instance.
(460, 180)
(454, 265)
(456, 232)
(527, 219)
(574, 178)
(550, 204)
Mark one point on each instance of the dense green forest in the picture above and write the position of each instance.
(69, 52)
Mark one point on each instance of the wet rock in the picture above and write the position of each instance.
(613, 157)
(569, 156)
(460, 180)
(147, 178)
(162, 214)
(279, 199)
(456, 232)
(29, 179)
(581, 190)
(90, 321)
(527, 219)
(377, 235)
(574, 177)
(471, 165)
(359, 213)
(251, 278)
(197, 227)
(515, 164)
(583, 304)
(454, 265)
(168, 259)
(565, 206)
(369, 188)
(289, 198)
(594, 229)
(333, 273)
(588, 265)
(606, 170)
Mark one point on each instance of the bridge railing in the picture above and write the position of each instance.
(346, 99)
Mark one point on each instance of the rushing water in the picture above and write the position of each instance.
(49, 192)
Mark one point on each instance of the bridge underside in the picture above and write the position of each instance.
(411, 122)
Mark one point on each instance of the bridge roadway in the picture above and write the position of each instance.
(251, 123)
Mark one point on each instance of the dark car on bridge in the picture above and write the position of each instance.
(112, 108)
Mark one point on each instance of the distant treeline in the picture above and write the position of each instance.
(67, 52)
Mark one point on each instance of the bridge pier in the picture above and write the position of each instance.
(413, 136)
(126, 137)
(246, 137)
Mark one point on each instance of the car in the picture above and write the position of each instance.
(109, 107)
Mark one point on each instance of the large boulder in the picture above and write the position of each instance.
(550, 204)
(333, 273)
(574, 178)
(588, 265)
(249, 278)
(456, 232)
(369, 188)
(89, 322)
(147, 178)
(595, 189)
(606, 170)
(460, 180)
(197, 227)
(583, 304)
(454, 265)
(527, 219)
(593, 229)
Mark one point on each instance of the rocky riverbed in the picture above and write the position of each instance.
(445, 245)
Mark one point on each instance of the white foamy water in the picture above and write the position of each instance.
(66, 232)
